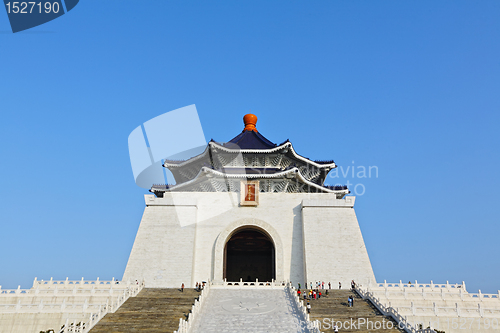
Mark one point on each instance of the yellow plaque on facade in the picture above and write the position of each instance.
(249, 193)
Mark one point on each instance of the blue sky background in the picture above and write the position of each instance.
(411, 87)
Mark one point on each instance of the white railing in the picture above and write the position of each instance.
(80, 283)
(416, 285)
(430, 291)
(478, 311)
(66, 287)
(64, 296)
(186, 325)
(94, 317)
(253, 284)
(389, 311)
(312, 326)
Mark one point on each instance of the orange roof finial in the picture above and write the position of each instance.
(250, 121)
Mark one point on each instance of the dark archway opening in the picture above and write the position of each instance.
(249, 255)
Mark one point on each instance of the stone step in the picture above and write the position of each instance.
(152, 310)
(334, 308)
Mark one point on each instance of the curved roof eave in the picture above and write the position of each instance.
(272, 150)
(182, 163)
(250, 151)
(295, 171)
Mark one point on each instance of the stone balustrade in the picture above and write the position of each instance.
(72, 301)
(186, 325)
(314, 326)
(387, 311)
(447, 307)
(253, 284)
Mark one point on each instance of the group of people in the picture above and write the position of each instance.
(321, 285)
(199, 286)
(314, 294)
(350, 301)
(311, 294)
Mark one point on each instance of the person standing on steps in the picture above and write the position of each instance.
(335, 328)
(340, 285)
(329, 285)
(299, 285)
(308, 307)
(182, 287)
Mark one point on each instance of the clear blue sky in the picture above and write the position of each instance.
(411, 87)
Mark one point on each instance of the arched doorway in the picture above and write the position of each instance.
(249, 254)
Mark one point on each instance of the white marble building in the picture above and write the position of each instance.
(249, 209)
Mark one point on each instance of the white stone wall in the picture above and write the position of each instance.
(182, 236)
(36, 322)
(163, 251)
(333, 245)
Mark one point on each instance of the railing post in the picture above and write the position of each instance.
(463, 286)
(457, 309)
(480, 295)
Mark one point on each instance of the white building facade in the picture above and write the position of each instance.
(249, 209)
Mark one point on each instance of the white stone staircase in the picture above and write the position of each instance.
(253, 310)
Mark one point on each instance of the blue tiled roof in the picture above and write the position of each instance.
(250, 140)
